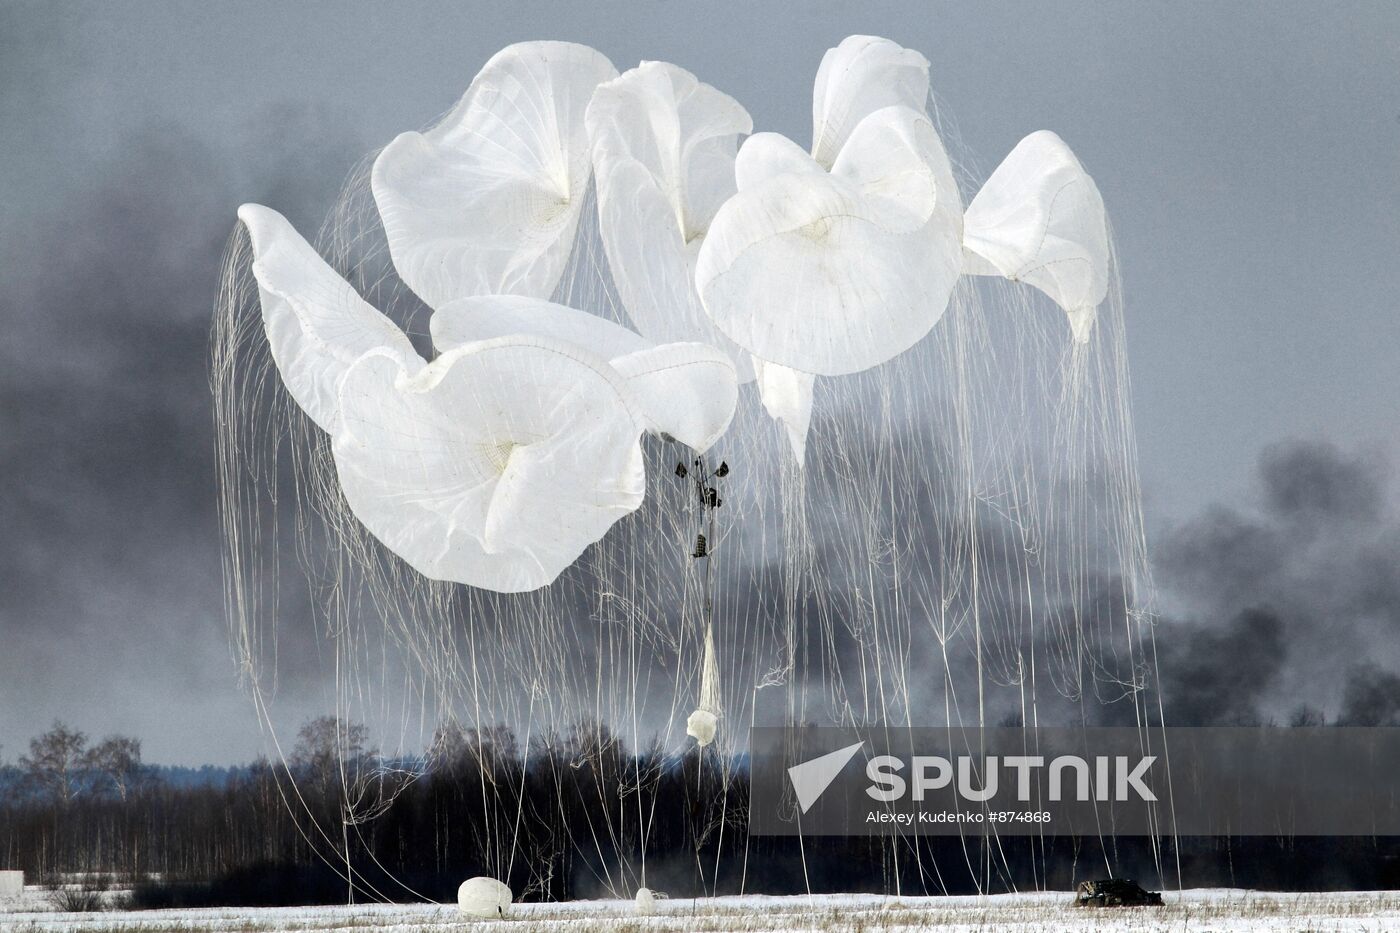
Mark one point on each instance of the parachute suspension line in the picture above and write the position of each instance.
(704, 721)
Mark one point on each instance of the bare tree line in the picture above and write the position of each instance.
(62, 765)
(570, 816)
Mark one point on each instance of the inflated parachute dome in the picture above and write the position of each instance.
(597, 419)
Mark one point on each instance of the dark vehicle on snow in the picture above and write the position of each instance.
(1115, 892)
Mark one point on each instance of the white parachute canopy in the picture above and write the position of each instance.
(663, 146)
(316, 324)
(1040, 219)
(500, 462)
(496, 465)
(685, 390)
(487, 201)
(835, 262)
(787, 397)
(860, 76)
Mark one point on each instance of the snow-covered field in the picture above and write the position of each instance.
(1190, 910)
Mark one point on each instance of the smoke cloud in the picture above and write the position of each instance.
(1290, 609)
(111, 603)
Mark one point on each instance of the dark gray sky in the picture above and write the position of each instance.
(1249, 155)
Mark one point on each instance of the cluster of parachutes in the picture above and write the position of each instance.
(498, 462)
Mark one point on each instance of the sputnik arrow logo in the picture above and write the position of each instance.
(811, 778)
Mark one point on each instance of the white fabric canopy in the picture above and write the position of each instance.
(472, 319)
(835, 263)
(787, 397)
(1040, 219)
(860, 76)
(497, 464)
(663, 147)
(686, 390)
(317, 325)
(487, 201)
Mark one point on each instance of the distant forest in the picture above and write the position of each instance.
(337, 821)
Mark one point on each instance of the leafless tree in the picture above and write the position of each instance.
(331, 753)
(55, 763)
(456, 750)
(448, 747)
(116, 762)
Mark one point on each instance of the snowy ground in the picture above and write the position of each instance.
(1191, 910)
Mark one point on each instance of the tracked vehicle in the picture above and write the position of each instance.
(1115, 892)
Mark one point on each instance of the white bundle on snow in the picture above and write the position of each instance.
(484, 897)
(12, 884)
(646, 902)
